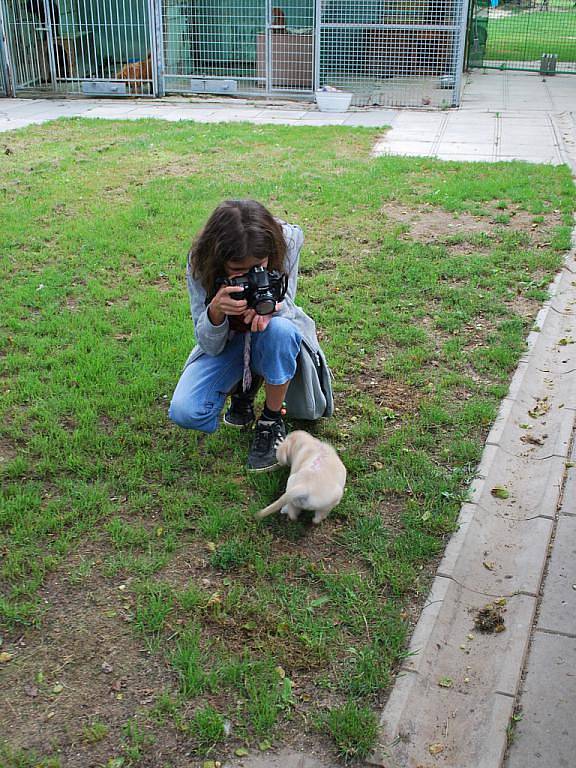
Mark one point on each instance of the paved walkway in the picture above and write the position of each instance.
(521, 548)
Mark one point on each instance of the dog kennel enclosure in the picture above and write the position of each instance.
(386, 52)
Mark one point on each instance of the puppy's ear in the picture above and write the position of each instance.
(283, 451)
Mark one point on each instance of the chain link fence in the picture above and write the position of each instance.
(531, 35)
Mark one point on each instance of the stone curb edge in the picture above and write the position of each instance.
(407, 681)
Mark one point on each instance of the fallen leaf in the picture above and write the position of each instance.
(58, 688)
(264, 745)
(214, 599)
(5, 656)
(499, 492)
(532, 439)
(241, 752)
(445, 682)
(541, 408)
(489, 565)
(436, 749)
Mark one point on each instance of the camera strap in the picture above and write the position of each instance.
(247, 373)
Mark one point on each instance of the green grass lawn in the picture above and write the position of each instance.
(147, 618)
(524, 37)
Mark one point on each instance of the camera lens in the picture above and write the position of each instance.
(265, 306)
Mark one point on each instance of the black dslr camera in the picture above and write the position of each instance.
(260, 288)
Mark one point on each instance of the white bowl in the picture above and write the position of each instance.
(333, 101)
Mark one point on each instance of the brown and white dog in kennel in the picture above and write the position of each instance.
(137, 73)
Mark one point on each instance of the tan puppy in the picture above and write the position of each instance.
(317, 478)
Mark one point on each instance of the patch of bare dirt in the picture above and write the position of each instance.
(8, 450)
(429, 224)
(387, 393)
(183, 166)
(85, 665)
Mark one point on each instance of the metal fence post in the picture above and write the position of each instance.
(317, 43)
(157, 46)
(459, 63)
(5, 62)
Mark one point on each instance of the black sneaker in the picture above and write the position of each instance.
(240, 413)
(267, 437)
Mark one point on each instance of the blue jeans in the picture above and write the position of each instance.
(201, 392)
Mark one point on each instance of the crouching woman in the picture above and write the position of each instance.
(238, 349)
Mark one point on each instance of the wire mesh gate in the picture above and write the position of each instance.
(98, 47)
(394, 53)
(230, 46)
(389, 52)
(531, 35)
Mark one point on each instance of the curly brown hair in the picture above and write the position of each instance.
(237, 229)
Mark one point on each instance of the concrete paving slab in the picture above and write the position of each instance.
(519, 122)
(415, 148)
(467, 681)
(546, 158)
(284, 121)
(527, 145)
(12, 125)
(533, 487)
(477, 663)
(502, 556)
(569, 495)
(480, 135)
(558, 606)
(544, 737)
(458, 157)
(384, 117)
(162, 113)
(465, 151)
(281, 114)
(536, 425)
(116, 112)
(481, 732)
(410, 133)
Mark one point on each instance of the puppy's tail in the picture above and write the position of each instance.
(274, 507)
